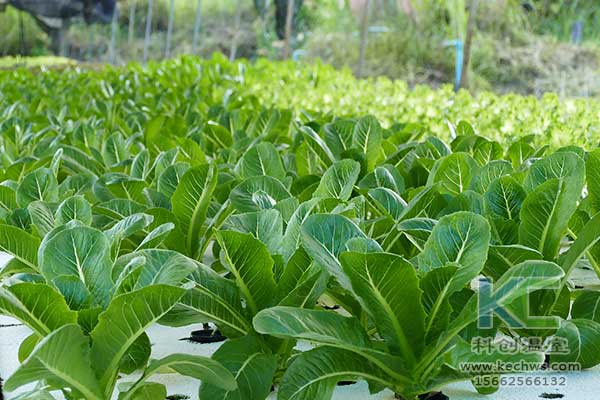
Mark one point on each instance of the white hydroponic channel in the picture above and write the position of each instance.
(578, 386)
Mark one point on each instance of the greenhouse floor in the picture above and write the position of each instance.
(579, 386)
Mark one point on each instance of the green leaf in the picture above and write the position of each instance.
(367, 137)
(314, 374)
(252, 368)
(264, 225)
(37, 305)
(297, 266)
(169, 179)
(42, 217)
(251, 265)
(587, 237)
(519, 152)
(592, 174)
(146, 391)
(26, 347)
(503, 258)
(217, 299)
(117, 185)
(327, 328)
(191, 201)
(426, 204)
(461, 239)
(74, 208)
(545, 215)
(8, 201)
(114, 149)
(160, 266)
(388, 201)
(317, 145)
(264, 123)
(301, 282)
(388, 289)
(486, 151)
(262, 159)
(140, 167)
(582, 340)
(197, 367)
(40, 184)
(307, 290)
(385, 176)
(217, 137)
(137, 355)
(504, 198)
(258, 193)
(36, 394)
(453, 172)
(519, 281)
(79, 162)
(324, 327)
(128, 226)
(80, 252)
(20, 244)
(417, 230)
(324, 237)
(490, 172)
(465, 201)
(436, 287)
(560, 165)
(157, 236)
(133, 313)
(587, 306)
(338, 135)
(292, 237)
(50, 362)
(339, 180)
(494, 356)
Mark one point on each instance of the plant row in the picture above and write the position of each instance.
(171, 199)
(180, 86)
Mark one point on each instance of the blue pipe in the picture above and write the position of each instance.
(458, 60)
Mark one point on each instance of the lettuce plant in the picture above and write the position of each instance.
(255, 284)
(417, 315)
(76, 294)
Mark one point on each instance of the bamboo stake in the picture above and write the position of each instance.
(131, 32)
(170, 29)
(289, 19)
(238, 21)
(112, 52)
(90, 51)
(464, 78)
(197, 25)
(364, 26)
(148, 30)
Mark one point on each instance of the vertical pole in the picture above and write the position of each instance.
(197, 24)
(464, 78)
(170, 29)
(131, 32)
(238, 21)
(21, 33)
(458, 64)
(112, 52)
(64, 41)
(289, 19)
(90, 51)
(148, 30)
(364, 26)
